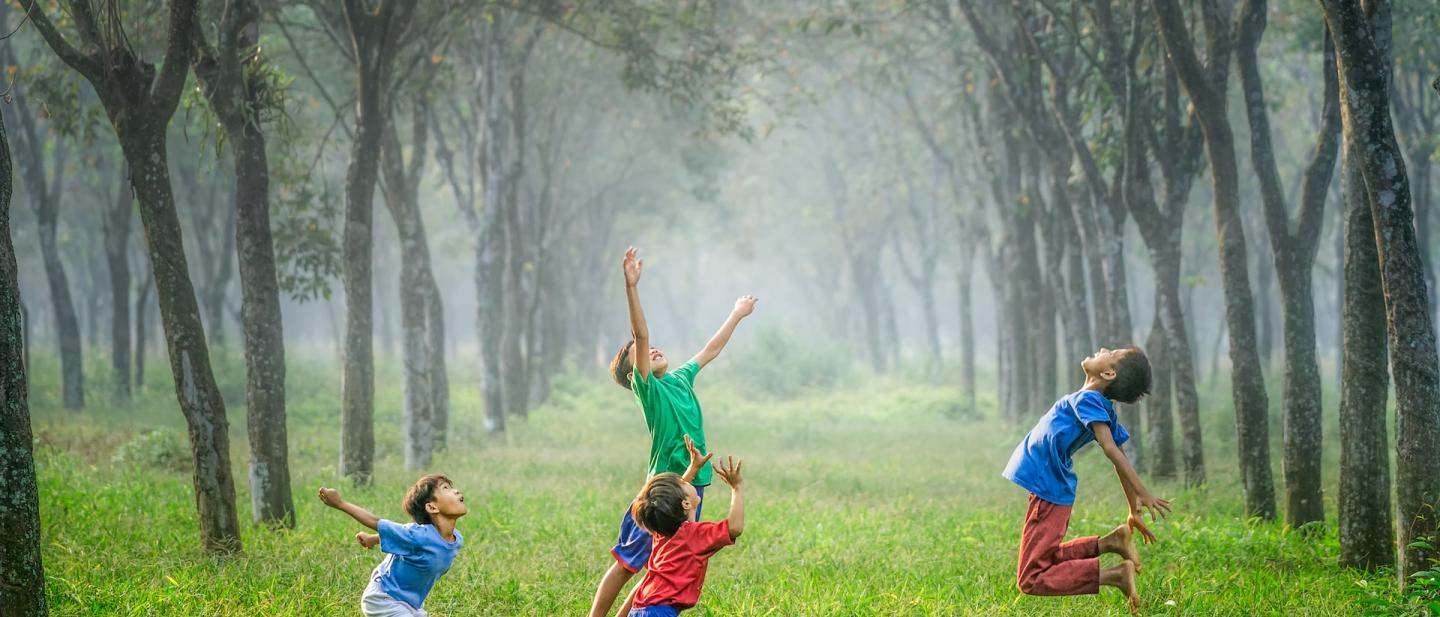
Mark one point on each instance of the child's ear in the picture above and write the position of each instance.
(432, 508)
(1108, 375)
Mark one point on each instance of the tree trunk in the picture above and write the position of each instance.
(489, 250)
(967, 328)
(270, 500)
(117, 240)
(1363, 50)
(1294, 244)
(1367, 537)
(195, 387)
(1251, 405)
(22, 577)
(1159, 423)
(142, 316)
(439, 377)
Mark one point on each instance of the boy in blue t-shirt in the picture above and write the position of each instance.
(416, 554)
(1041, 464)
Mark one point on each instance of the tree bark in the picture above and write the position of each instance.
(117, 240)
(1159, 423)
(1251, 405)
(489, 248)
(1294, 243)
(44, 191)
(223, 81)
(142, 317)
(1367, 536)
(22, 575)
(1363, 52)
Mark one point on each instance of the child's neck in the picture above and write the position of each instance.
(1094, 383)
(445, 525)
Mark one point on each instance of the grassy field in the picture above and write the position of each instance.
(880, 498)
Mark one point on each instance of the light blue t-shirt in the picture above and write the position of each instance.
(416, 556)
(1041, 463)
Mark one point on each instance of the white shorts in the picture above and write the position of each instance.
(377, 603)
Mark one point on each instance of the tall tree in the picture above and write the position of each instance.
(1362, 44)
(117, 255)
(22, 576)
(43, 178)
(1367, 533)
(1294, 242)
(242, 92)
(140, 99)
(1208, 97)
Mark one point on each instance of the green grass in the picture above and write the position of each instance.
(882, 498)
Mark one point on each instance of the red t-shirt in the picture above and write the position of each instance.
(676, 569)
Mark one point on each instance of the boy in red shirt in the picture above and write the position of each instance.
(667, 508)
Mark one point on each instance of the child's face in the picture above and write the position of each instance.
(448, 502)
(1102, 363)
(692, 500)
(658, 362)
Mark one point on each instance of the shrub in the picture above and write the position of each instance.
(159, 449)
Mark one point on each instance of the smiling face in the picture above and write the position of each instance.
(658, 362)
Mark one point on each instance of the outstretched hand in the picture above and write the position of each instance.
(696, 459)
(729, 471)
(330, 497)
(745, 305)
(1157, 507)
(632, 266)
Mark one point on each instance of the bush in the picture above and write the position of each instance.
(778, 364)
(160, 449)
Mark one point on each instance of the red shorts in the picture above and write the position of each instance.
(1050, 567)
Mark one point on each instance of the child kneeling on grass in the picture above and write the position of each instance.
(668, 507)
(416, 554)
(1041, 464)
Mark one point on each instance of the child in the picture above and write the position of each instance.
(416, 554)
(669, 507)
(667, 398)
(1041, 464)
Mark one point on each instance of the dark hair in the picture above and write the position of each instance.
(1132, 377)
(660, 507)
(620, 368)
(423, 492)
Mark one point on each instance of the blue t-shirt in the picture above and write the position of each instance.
(1041, 463)
(416, 556)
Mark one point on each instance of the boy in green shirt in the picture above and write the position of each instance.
(672, 413)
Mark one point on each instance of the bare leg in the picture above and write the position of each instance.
(1121, 542)
(610, 586)
(1122, 577)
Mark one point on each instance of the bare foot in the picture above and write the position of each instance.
(1123, 544)
(367, 540)
(1122, 577)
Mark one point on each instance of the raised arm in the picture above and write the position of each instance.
(697, 461)
(743, 307)
(729, 471)
(332, 498)
(640, 351)
(1136, 495)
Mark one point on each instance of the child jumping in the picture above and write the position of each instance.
(669, 508)
(416, 554)
(1041, 464)
(667, 398)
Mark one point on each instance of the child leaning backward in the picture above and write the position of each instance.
(1041, 464)
(669, 508)
(667, 398)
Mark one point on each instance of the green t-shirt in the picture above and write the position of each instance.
(671, 413)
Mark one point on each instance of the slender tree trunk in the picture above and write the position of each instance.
(142, 316)
(22, 577)
(67, 322)
(1363, 48)
(1159, 423)
(967, 327)
(489, 250)
(261, 322)
(117, 240)
(439, 377)
(195, 387)
(1248, 381)
(1367, 538)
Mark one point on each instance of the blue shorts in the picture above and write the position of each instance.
(632, 549)
(655, 611)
